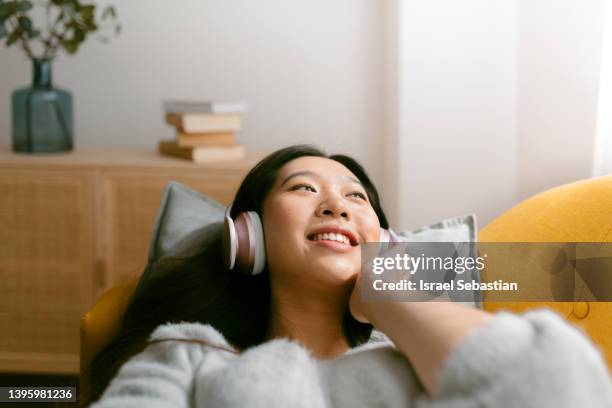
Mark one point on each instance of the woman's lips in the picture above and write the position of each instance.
(333, 245)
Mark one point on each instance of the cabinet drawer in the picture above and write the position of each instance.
(130, 205)
(46, 258)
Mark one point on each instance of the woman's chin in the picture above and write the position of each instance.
(336, 270)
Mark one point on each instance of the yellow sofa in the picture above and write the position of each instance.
(576, 212)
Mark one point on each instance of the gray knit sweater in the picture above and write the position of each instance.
(531, 360)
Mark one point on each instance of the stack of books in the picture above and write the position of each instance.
(205, 131)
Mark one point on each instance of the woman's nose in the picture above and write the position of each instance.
(333, 208)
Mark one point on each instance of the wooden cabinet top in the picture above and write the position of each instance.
(119, 157)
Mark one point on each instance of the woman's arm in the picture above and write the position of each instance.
(425, 332)
(535, 359)
(162, 375)
(467, 357)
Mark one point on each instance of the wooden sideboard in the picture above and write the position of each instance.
(73, 225)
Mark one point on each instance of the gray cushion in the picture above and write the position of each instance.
(454, 237)
(456, 229)
(187, 222)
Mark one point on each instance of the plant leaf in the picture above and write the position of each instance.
(6, 10)
(33, 34)
(2, 30)
(72, 7)
(24, 6)
(73, 4)
(78, 36)
(70, 46)
(25, 23)
(12, 38)
(91, 26)
(88, 11)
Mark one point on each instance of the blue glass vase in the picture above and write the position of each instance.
(42, 115)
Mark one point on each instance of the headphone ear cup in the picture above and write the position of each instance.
(229, 242)
(259, 247)
(245, 251)
(250, 252)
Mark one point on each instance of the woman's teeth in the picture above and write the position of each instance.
(332, 237)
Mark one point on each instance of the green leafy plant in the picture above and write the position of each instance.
(67, 25)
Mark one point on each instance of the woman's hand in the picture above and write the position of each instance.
(356, 305)
(425, 332)
(360, 309)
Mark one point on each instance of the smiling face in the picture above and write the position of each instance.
(315, 218)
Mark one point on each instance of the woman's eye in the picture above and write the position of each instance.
(359, 194)
(304, 187)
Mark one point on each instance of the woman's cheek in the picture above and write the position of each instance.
(372, 229)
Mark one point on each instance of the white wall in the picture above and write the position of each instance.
(311, 71)
(457, 112)
(602, 154)
(559, 61)
(453, 106)
(496, 102)
(389, 148)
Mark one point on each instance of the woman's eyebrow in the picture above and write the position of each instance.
(315, 175)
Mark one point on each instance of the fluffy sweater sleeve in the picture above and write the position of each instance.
(533, 360)
(162, 375)
(530, 360)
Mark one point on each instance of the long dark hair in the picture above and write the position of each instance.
(196, 288)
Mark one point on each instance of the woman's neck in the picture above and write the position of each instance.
(315, 321)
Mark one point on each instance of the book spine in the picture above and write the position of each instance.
(205, 139)
(208, 154)
(204, 123)
(202, 154)
(210, 123)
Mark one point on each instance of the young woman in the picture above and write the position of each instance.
(297, 334)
